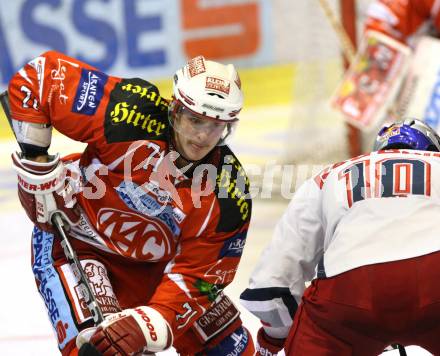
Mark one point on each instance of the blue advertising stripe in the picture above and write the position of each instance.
(51, 288)
(132, 38)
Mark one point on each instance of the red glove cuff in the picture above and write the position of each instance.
(266, 345)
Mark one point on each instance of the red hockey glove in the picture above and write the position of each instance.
(131, 331)
(43, 190)
(266, 345)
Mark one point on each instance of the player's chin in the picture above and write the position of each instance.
(196, 153)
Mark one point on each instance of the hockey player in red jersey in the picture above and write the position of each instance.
(391, 72)
(403, 18)
(157, 204)
(366, 232)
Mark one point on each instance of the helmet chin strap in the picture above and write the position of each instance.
(223, 139)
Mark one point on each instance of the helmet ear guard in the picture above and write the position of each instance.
(408, 134)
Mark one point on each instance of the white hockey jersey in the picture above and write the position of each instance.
(380, 207)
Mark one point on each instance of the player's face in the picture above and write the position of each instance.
(195, 136)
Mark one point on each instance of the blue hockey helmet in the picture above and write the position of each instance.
(410, 134)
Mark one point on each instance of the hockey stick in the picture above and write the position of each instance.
(78, 271)
(69, 252)
(345, 41)
(347, 46)
(4, 109)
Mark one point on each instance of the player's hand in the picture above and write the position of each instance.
(44, 190)
(131, 331)
(266, 345)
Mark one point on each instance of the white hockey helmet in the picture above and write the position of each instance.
(209, 88)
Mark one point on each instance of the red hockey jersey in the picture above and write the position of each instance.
(402, 18)
(134, 201)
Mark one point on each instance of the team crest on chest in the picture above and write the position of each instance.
(135, 236)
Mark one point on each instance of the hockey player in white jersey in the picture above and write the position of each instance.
(366, 231)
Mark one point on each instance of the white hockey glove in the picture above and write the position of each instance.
(44, 190)
(129, 332)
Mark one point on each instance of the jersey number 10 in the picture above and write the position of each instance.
(387, 178)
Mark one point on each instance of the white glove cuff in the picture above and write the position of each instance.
(156, 330)
(35, 183)
(33, 166)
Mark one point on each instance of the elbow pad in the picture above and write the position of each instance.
(34, 139)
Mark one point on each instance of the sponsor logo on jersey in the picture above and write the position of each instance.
(217, 318)
(61, 330)
(85, 230)
(89, 92)
(135, 111)
(101, 287)
(210, 289)
(232, 191)
(58, 76)
(178, 214)
(38, 64)
(233, 345)
(139, 200)
(233, 247)
(135, 235)
(50, 287)
(99, 283)
(44, 271)
(163, 196)
(222, 272)
(125, 113)
(30, 100)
